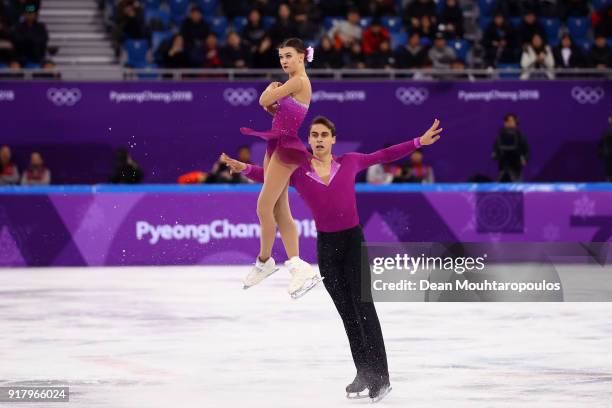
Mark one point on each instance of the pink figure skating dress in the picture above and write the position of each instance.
(283, 137)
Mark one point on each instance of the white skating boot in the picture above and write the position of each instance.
(303, 278)
(260, 271)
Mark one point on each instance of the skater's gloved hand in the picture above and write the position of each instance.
(432, 134)
(235, 166)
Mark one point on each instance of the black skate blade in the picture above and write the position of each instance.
(382, 395)
(357, 395)
(307, 288)
(245, 287)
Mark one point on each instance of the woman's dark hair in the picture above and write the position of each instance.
(322, 120)
(296, 43)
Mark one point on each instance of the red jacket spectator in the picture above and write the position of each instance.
(373, 36)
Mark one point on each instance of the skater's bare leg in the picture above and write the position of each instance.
(276, 178)
(286, 224)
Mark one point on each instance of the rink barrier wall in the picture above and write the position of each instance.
(76, 225)
(172, 128)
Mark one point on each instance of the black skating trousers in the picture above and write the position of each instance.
(339, 257)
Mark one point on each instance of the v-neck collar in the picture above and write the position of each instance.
(312, 173)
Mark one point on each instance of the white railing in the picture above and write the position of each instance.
(120, 73)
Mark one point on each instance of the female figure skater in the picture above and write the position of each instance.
(328, 188)
(285, 152)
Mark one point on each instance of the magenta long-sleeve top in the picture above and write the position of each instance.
(334, 205)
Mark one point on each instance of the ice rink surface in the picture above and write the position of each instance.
(192, 337)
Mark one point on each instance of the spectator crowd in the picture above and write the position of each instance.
(23, 39)
(533, 35)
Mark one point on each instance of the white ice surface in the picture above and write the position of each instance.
(191, 337)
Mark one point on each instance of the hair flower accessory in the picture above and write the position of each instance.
(310, 54)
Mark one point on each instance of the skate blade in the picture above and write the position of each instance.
(245, 287)
(305, 289)
(382, 395)
(356, 395)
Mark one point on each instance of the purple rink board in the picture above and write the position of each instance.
(175, 127)
(151, 225)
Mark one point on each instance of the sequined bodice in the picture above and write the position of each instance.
(289, 116)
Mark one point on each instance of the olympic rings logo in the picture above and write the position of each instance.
(412, 96)
(64, 96)
(240, 96)
(587, 94)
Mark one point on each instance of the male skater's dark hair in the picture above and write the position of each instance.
(322, 120)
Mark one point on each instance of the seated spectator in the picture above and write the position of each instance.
(171, 53)
(537, 56)
(220, 174)
(412, 55)
(458, 68)
(424, 74)
(235, 54)
(36, 173)
(416, 10)
(567, 55)
(373, 36)
(194, 30)
(212, 56)
(265, 55)
(126, 171)
(452, 19)
(441, 54)
(416, 171)
(600, 55)
(284, 27)
(254, 31)
(346, 32)
(476, 56)
(7, 50)
(529, 27)
(306, 29)
(326, 55)
(382, 58)
(353, 58)
(30, 38)
(426, 28)
(382, 173)
(9, 173)
(499, 41)
(16, 8)
(602, 21)
(573, 8)
(130, 23)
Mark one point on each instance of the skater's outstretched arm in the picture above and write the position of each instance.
(398, 151)
(252, 171)
(276, 91)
